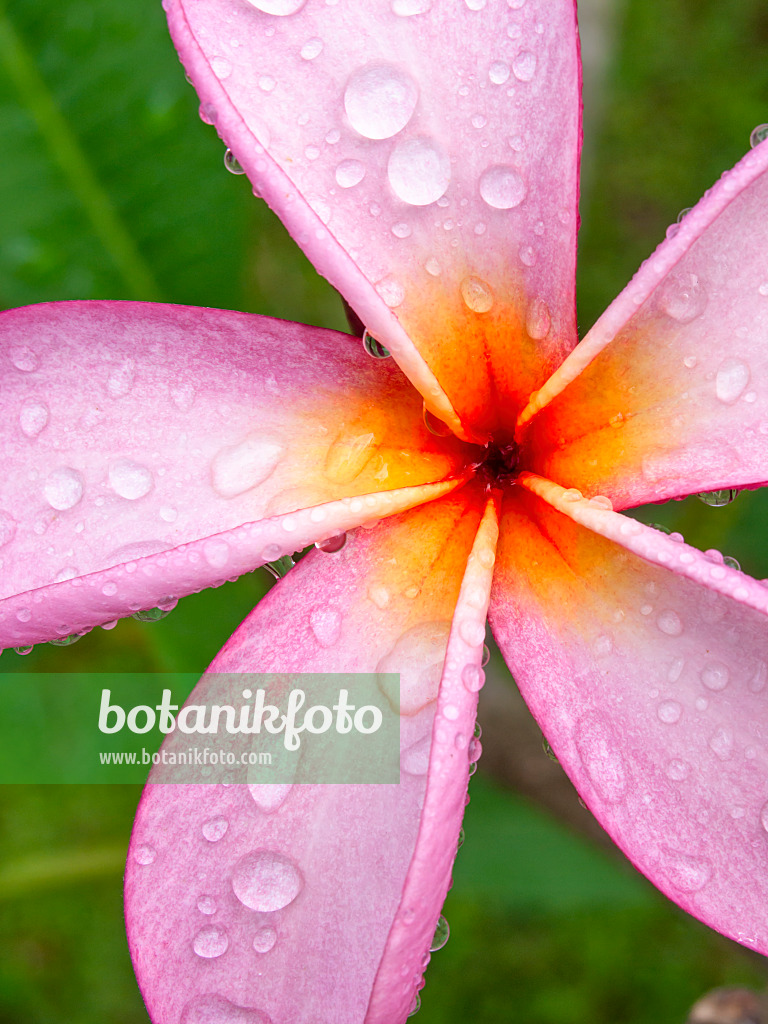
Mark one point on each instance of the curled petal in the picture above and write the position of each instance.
(150, 451)
(646, 664)
(426, 159)
(668, 393)
(373, 863)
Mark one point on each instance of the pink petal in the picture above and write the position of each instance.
(668, 393)
(646, 664)
(426, 159)
(373, 862)
(150, 451)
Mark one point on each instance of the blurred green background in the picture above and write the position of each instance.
(111, 187)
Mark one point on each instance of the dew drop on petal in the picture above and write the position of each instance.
(231, 163)
(237, 468)
(144, 855)
(33, 417)
(408, 8)
(349, 173)
(380, 100)
(278, 7)
(669, 712)
(221, 68)
(717, 499)
(601, 756)
(270, 796)
(373, 347)
(130, 479)
(502, 187)
(23, 358)
(442, 933)
(312, 48)
(391, 291)
(477, 295)
(216, 552)
(8, 527)
(206, 905)
(63, 488)
(418, 171)
(678, 770)
(758, 135)
(215, 1009)
(264, 939)
(210, 942)
(325, 622)
(418, 656)
(524, 66)
(685, 873)
(473, 677)
(721, 743)
(669, 622)
(267, 881)
(538, 321)
(332, 544)
(215, 828)
(682, 297)
(498, 72)
(731, 380)
(715, 675)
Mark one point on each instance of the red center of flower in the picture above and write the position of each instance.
(499, 463)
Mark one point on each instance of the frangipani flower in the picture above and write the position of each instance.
(426, 159)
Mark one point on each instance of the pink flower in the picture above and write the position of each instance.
(425, 157)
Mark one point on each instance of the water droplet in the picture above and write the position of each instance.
(717, 499)
(150, 614)
(238, 468)
(683, 297)
(278, 567)
(215, 828)
(374, 348)
(418, 171)
(415, 1005)
(472, 631)
(476, 294)
(349, 173)
(731, 380)
(415, 759)
(524, 66)
(63, 488)
(715, 675)
(264, 939)
(23, 358)
(473, 677)
(669, 623)
(498, 72)
(407, 8)
(686, 873)
(602, 759)
(207, 113)
(206, 905)
(758, 135)
(442, 933)
(764, 816)
(434, 425)
(230, 162)
(380, 100)
(669, 712)
(721, 743)
(502, 187)
(66, 641)
(402, 229)
(215, 1009)
(33, 417)
(120, 380)
(267, 881)
(270, 796)
(391, 291)
(216, 552)
(8, 527)
(210, 942)
(759, 678)
(678, 770)
(418, 656)
(130, 479)
(221, 67)
(24, 650)
(312, 48)
(538, 321)
(325, 622)
(144, 855)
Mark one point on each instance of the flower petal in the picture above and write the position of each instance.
(646, 664)
(138, 439)
(375, 863)
(668, 393)
(426, 159)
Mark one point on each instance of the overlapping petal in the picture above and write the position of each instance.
(437, 193)
(646, 664)
(370, 864)
(149, 451)
(668, 393)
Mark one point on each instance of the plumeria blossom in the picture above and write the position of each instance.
(425, 156)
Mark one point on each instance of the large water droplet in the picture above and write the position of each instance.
(602, 759)
(349, 173)
(33, 417)
(715, 675)
(476, 294)
(669, 622)
(669, 711)
(63, 488)
(266, 881)
(221, 67)
(498, 72)
(391, 290)
(23, 358)
(758, 135)
(210, 942)
(348, 456)
(331, 545)
(502, 187)
(373, 347)
(524, 66)
(380, 100)
(538, 321)
(278, 567)
(270, 796)
(8, 527)
(418, 171)
(683, 297)
(442, 933)
(326, 625)
(264, 939)
(144, 855)
(206, 905)
(312, 48)
(731, 380)
(130, 479)
(237, 468)
(215, 828)
(717, 499)
(473, 677)
(686, 873)
(214, 1009)
(418, 656)
(230, 162)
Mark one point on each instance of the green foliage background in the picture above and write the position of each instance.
(110, 187)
